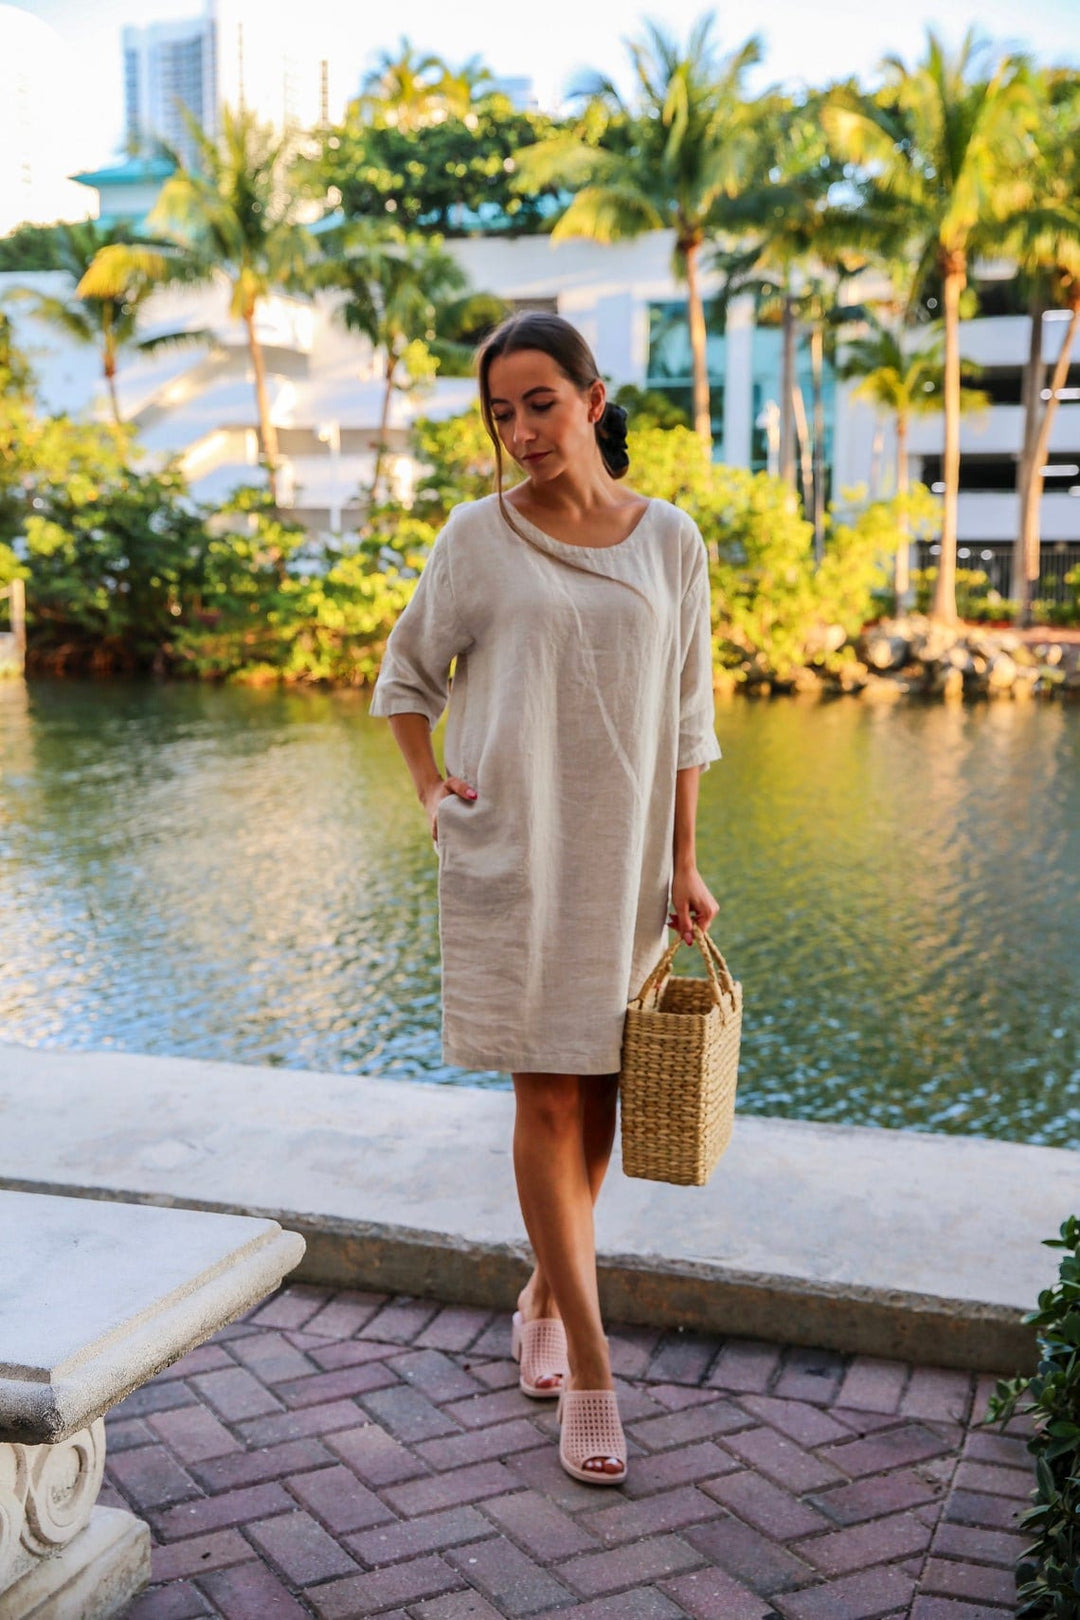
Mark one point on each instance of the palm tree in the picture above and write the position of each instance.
(943, 147)
(403, 89)
(109, 324)
(234, 218)
(1044, 242)
(398, 286)
(683, 146)
(778, 239)
(457, 93)
(905, 379)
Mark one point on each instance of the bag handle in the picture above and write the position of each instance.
(719, 974)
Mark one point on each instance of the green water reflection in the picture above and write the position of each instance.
(246, 875)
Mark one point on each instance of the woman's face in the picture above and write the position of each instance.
(544, 420)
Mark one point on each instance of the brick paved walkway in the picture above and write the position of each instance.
(344, 1454)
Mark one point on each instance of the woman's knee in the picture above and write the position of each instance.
(551, 1103)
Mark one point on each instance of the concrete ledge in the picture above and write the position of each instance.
(890, 1243)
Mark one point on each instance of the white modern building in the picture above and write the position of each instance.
(170, 68)
(326, 391)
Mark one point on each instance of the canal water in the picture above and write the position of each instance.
(245, 874)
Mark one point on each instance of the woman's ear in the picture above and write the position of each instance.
(597, 401)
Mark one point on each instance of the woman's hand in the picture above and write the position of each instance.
(437, 793)
(691, 903)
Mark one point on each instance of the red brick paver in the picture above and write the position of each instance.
(343, 1454)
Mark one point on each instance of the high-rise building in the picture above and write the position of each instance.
(169, 67)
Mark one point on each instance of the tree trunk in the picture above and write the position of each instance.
(1029, 534)
(698, 343)
(108, 364)
(110, 383)
(787, 393)
(877, 445)
(943, 609)
(1032, 404)
(817, 364)
(380, 446)
(267, 430)
(902, 568)
(806, 460)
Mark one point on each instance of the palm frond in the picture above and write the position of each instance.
(195, 336)
(609, 213)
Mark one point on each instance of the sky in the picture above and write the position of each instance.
(550, 41)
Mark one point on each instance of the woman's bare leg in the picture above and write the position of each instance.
(600, 1092)
(555, 1189)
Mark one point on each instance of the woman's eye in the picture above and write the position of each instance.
(546, 407)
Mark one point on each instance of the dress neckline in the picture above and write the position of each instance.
(568, 545)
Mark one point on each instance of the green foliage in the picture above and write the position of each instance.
(458, 461)
(106, 320)
(976, 601)
(771, 604)
(111, 555)
(442, 176)
(667, 159)
(260, 616)
(31, 248)
(649, 408)
(1064, 613)
(1048, 1577)
(862, 536)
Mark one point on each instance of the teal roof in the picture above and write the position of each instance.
(131, 172)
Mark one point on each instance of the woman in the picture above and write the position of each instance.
(580, 719)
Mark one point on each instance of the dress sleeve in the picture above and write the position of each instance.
(415, 673)
(697, 738)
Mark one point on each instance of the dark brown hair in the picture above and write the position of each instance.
(551, 335)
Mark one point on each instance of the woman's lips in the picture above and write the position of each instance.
(538, 456)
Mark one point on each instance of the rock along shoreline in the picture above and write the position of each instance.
(913, 657)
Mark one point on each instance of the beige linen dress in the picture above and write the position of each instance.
(583, 683)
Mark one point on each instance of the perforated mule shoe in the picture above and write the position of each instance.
(539, 1348)
(590, 1427)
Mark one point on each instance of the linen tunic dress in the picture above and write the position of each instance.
(583, 682)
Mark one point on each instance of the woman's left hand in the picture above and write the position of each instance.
(691, 903)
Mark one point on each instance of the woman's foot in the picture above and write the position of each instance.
(538, 1343)
(592, 1446)
(592, 1375)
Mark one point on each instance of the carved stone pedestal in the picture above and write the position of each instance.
(96, 1297)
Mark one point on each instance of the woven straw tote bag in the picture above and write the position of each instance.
(680, 1059)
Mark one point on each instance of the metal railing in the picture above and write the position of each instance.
(995, 559)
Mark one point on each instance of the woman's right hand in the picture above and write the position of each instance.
(442, 790)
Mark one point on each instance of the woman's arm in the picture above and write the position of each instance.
(412, 733)
(691, 901)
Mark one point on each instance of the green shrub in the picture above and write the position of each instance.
(1066, 612)
(976, 601)
(772, 603)
(1048, 1576)
(458, 463)
(111, 560)
(649, 408)
(262, 613)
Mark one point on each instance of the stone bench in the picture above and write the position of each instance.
(95, 1298)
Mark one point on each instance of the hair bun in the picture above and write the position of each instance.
(611, 434)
